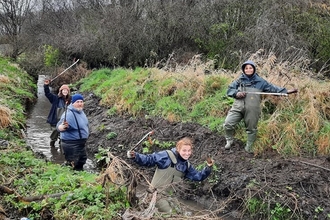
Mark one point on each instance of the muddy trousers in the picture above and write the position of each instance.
(75, 152)
(251, 122)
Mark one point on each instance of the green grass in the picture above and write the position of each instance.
(17, 88)
(87, 197)
(297, 125)
(191, 97)
(82, 196)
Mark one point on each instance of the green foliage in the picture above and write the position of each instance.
(87, 198)
(280, 212)
(313, 26)
(255, 206)
(112, 111)
(111, 135)
(102, 155)
(169, 106)
(51, 56)
(16, 90)
(183, 97)
(259, 209)
(159, 144)
(214, 177)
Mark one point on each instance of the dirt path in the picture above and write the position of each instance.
(241, 180)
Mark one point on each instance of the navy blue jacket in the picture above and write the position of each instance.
(57, 102)
(162, 161)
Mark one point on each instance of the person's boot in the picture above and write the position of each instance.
(229, 143)
(248, 147)
(251, 137)
(229, 134)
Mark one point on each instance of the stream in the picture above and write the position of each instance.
(37, 136)
(38, 130)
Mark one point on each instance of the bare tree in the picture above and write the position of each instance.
(13, 14)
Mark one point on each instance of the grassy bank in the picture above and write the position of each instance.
(293, 125)
(31, 187)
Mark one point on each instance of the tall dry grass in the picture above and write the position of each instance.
(296, 123)
(5, 117)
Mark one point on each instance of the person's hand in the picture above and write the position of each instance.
(209, 161)
(46, 82)
(63, 126)
(131, 154)
(240, 95)
(292, 91)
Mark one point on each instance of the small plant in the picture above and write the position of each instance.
(112, 111)
(162, 145)
(111, 135)
(101, 127)
(102, 155)
(255, 206)
(215, 175)
(279, 212)
(252, 183)
(145, 150)
(318, 209)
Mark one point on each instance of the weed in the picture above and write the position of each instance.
(255, 206)
(111, 135)
(101, 127)
(280, 212)
(102, 156)
(112, 111)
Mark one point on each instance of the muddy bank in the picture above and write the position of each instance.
(267, 185)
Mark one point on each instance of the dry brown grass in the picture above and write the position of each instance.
(4, 79)
(323, 144)
(298, 116)
(5, 117)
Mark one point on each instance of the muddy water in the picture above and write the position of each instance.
(38, 130)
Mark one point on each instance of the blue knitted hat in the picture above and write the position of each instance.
(76, 97)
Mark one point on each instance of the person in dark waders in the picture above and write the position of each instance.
(59, 102)
(247, 103)
(74, 132)
(171, 167)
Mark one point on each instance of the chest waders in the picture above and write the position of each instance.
(247, 108)
(55, 134)
(162, 180)
(164, 177)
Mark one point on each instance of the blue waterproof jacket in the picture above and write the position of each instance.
(72, 133)
(162, 160)
(255, 81)
(57, 102)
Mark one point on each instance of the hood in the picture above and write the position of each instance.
(251, 63)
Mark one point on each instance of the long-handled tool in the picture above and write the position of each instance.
(64, 70)
(145, 136)
(66, 109)
(268, 93)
